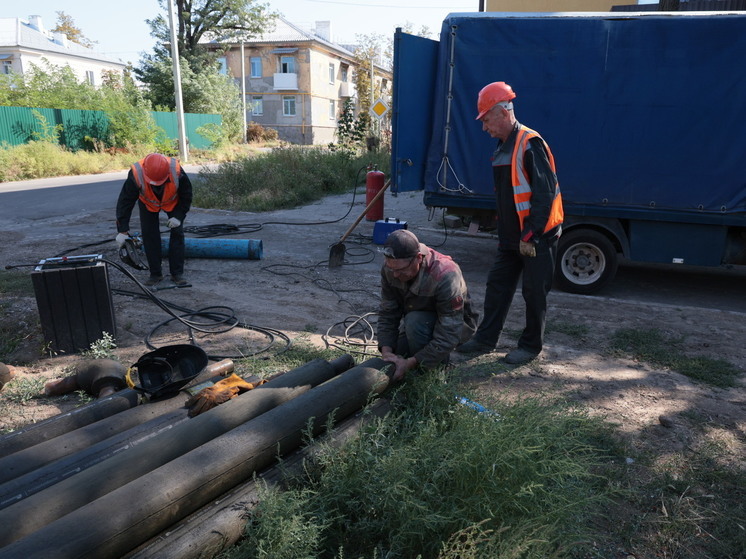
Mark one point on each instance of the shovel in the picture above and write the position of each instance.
(337, 251)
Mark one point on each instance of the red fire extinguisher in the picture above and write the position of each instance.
(373, 185)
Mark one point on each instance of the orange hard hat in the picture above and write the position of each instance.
(156, 168)
(492, 94)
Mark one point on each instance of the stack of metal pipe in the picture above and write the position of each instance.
(109, 479)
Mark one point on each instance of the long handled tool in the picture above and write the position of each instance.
(337, 251)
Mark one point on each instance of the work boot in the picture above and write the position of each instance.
(152, 280)
(474, 347)
(520, 356)
(179, 281)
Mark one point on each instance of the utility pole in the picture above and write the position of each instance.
(183, 147)
(243, 91)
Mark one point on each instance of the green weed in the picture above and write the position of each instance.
(21, 390)
(103, 348)
(655, 348)
(435, 475)
(283, 178)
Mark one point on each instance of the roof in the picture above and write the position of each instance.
(287, 33)
(15, 32)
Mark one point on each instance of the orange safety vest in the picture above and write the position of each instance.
(521, 186)
(170, 189)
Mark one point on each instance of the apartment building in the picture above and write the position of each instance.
(296, 81)
(24, 43)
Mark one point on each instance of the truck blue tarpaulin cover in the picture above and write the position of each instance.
(624, 115)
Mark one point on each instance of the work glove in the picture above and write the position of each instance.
(218, 393)
(527, 249)
(121, 238)
(173, 222)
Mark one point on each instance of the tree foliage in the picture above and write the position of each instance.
(213, 20)
(204, 88)
(56, 87)
(66, 26)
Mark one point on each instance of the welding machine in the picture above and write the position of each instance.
(384, 227)
(74, 301)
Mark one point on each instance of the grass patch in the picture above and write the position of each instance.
(436, 479)
(297, 355)
(283, 178)
(15, 283)
(695, 506)
(655, 348)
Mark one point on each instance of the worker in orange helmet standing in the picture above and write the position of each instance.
(157, 183)
(529, 224)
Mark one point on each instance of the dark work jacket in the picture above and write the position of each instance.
(130, 193)
(439, 287)
(543, 181)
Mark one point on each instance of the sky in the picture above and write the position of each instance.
(121, 31)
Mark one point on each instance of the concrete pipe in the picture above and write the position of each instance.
(30, 459)
(118, 522)
(34, 512)
(221, 523)
(66, 422)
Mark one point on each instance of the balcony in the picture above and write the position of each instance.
(345, 90)
(286, 82)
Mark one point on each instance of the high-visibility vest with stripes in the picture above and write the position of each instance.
(170, 190)
(521, 186)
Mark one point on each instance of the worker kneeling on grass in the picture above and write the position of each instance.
(425, 310)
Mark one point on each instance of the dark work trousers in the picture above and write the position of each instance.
(502, 282)
(151, 240)
(416, 332)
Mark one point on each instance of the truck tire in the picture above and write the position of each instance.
(586, 261)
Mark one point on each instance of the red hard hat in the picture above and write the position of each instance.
(492, 94)
(156, 168)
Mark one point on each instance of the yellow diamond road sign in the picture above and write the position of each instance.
(379, 108)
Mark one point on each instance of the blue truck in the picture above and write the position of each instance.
(645, 114)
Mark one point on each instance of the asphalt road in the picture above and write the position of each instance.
(29, 203)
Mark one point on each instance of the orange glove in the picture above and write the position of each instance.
(218, 393)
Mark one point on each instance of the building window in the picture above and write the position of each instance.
(332, 110)
(287, 65)
(343, 72)
(257, 105)
(90, 77)
(288, 105)
(7, 67)
(331, 72)
(256, 67)
(223, 65)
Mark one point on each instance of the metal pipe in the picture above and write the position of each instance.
(221, 523)
(159, 417)
(249, 249)
(33, 457)
(121, 520)
(63, 423)
(34, 512)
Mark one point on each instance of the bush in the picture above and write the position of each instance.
(255, 132)
(283, 178)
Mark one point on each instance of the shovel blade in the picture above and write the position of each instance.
(337, 255)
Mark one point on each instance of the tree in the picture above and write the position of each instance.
(218, 20)
(67, 27)
(204, 88)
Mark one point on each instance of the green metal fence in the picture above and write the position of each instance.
(19, 125)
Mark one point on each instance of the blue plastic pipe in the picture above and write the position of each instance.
(249, 249)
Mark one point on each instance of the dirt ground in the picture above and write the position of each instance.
(291, 290)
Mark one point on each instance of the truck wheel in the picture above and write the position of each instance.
(586, 261)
